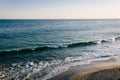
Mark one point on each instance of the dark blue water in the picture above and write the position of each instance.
(36, 45)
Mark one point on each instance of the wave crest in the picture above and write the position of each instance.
(44, 48)
(81, 44)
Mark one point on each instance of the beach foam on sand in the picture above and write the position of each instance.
(82, 71)
(102, 73)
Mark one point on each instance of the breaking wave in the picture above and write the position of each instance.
(44, 48)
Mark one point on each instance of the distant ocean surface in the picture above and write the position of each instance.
(41, 49)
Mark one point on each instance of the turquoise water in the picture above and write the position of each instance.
(46, 46)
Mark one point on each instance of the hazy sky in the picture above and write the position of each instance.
(59, 9)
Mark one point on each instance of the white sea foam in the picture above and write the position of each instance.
(47, 70)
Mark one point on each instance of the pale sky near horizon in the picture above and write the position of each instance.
(59, 9)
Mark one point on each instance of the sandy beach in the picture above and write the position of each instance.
(97, 70)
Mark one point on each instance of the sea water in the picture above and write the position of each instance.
(42, 49)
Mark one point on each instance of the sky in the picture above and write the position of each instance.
(59, 9)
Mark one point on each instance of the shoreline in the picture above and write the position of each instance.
(75, 71)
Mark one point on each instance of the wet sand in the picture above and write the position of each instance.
(103, 73)
(87, 71)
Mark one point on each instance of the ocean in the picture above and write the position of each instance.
(42, 49)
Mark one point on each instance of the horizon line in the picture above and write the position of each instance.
(55, 18)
